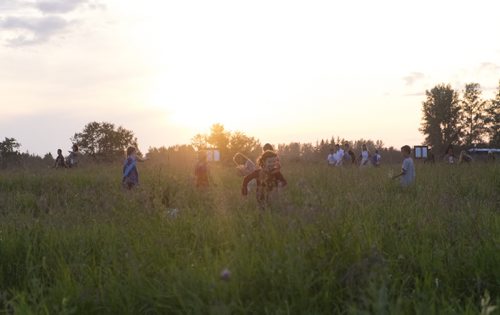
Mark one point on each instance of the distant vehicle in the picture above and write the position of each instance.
(484, 154)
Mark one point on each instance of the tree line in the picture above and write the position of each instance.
(464, 118)
(449, 117)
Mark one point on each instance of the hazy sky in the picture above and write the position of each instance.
(278, 70)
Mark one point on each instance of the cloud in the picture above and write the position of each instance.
(58, 6)
(413, 77)
(33, 30)
(489, 67)
(20, 25)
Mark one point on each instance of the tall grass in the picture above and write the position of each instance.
(334, 241)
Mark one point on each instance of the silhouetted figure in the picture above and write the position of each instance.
(59, 163)
(449, 157)
(430, 157)
(350, 156)
(201, 170)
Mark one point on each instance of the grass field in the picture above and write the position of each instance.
(335, 241)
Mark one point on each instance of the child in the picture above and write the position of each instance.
(449, 156)
(267, 176)
(408, 170)
(376, 159)
(331, 159)
(130, 174)
(60, 160)
(339, 155)
(72, 160)
(350, 156)
(365, 156)
(430, 157)
(269, 147)
(201, 170)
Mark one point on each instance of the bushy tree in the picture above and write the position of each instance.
(472, 118)
(9, 153)
(104, 139)
(199, 141)
(441, 117)
(493, 119)
(240, 142)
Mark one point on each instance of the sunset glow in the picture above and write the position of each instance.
(278, 70)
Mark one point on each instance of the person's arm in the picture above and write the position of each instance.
(248, 179)
(403, 171)
(281, 179)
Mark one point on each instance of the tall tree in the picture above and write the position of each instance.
(9, 153)
(199, 141)
(472, 115)
(104, 139)
(441, 117)
(219, 138)
(240, 142)
(493, 119)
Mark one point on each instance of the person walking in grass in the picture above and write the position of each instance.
(407, 175)
(331, 159)
(60, 162)
(339, 155)
(350, 156)
(201, 170)
(130, 177)
(449, 157)
(267, 176)
(269, 147)
(365, 156)
(376, 158)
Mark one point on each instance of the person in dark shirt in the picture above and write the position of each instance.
(268, 177)
(201, 170)
(350, 156)
(430, 157)
(60, 163)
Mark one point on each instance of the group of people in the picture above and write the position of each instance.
(266, 173)
(450, 157)
(346, 156)
(67, 162)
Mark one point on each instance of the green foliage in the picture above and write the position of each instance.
(228, 143)
(473, 115)
(104, 139)
(9, 153)
(441, 117)
(335, 241)
(493, 119)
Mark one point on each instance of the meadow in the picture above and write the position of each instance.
(335, 241)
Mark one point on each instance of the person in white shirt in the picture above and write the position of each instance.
(365, 156)
(331, 158)
(408, 169)
(339, 155)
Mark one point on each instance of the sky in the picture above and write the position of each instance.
(280, 71)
